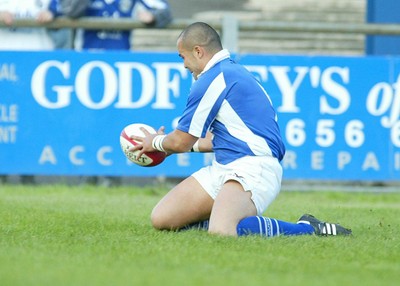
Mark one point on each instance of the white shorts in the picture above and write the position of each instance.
(260, 175)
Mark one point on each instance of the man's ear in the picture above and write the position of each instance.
(198, 52)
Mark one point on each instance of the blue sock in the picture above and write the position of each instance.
(201, 225)
(263, 226)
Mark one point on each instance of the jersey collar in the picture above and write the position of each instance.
(221, 55)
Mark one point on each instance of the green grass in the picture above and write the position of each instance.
(84, 235)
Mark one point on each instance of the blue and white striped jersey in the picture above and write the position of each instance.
(228, 100)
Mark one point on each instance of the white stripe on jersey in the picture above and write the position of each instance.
(269, 99)
(207, 102)
(237, 128)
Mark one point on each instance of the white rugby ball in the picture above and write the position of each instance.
(148, 159)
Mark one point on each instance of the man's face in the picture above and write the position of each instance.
(190, 61)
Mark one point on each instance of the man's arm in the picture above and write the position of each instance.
(156, 14)
(178, 142)
(175, 142)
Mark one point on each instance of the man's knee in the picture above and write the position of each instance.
(162, 220)
(157, 219)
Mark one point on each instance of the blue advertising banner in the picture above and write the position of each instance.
(61, 113)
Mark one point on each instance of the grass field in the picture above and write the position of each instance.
(85, 235)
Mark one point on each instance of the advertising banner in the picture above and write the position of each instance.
(61, 113)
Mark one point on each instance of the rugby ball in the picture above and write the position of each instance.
(148, 159)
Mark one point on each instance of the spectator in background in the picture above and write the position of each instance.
(25, 38)
(153, 13)
(63, 38)
(18, 39)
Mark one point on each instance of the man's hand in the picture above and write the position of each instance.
(145, 17)
(146, 141)
(45, 16)
(6, 17)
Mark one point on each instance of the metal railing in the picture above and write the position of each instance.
(129, 24)
(228, 25)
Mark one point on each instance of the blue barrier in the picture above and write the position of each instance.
(61, 113)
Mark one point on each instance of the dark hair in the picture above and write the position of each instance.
(201, 34)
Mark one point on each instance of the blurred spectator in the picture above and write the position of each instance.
(25, 38)
(12, 38)
(153, 13)
(63, 38)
